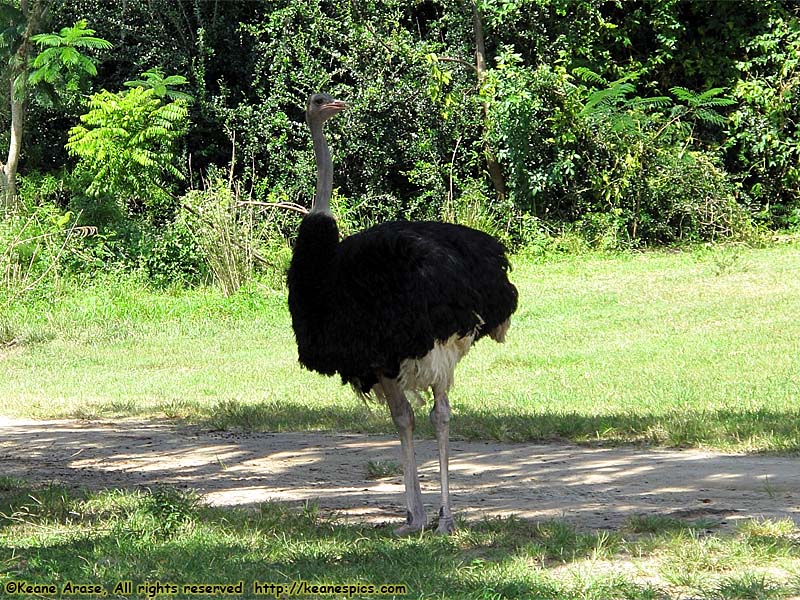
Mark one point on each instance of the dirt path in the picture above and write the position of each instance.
(592, 487)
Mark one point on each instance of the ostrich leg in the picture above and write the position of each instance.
(403, 417)
(440, 418)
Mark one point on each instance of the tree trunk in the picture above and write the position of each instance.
(494, 168)
(9, 177)
(17, 81)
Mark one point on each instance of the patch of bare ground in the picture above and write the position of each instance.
(594, 488)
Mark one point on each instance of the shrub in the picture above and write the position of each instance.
(536, 127)
(32, 246)
(170, 255)
(764, 131)
(126, 147)
(622, 167)
(34, 249)
(688, 196)
(233, 239)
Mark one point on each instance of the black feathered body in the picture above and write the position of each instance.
(363, 305)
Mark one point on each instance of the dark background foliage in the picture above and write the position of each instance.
(595, 111)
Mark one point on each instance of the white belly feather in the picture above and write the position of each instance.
(434, 370)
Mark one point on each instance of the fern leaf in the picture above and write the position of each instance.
(718, 102)
(46, 56)
(654, 101)
(710, 117)
(93, 43)
(588, 75)
(607, 97)
(70, 56)
(710, 93)
(681, 93)
(48, 39)
(36, 76)
(175, 80)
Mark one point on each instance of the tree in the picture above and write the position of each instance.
(61, 64)
(162, 85)
(492, 164)
(19, 27)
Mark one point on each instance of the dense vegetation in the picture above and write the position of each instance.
(166, 137)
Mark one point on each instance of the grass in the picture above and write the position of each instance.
(53, 534)
(693, 348)
(378, 469)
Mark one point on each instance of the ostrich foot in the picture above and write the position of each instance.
(446, 524)
(413, 525)
(446, 527)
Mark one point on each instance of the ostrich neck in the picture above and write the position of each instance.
(322, 198)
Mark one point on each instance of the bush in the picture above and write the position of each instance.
(689, 197)
(212, 218)
(34, 250)
(170, 255)
(235, 242)
(43, 189)
(537, 129)
(126, 148)
(764, 132)
(622, 167)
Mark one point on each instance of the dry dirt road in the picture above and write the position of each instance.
(590, 487)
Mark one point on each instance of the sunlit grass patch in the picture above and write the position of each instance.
(678, 349)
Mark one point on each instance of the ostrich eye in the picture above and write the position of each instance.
(318, 101)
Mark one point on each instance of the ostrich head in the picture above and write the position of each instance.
(322, 107)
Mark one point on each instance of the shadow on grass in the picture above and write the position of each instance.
(748, 430)
(276, 544)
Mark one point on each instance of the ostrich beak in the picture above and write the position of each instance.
(334, 107)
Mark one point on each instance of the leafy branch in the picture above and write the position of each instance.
(62, 55)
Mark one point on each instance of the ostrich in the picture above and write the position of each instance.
(392, 309)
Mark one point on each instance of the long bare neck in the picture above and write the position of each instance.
(322, 199)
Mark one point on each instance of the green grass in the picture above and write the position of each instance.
(53, 534)
(693, 348)
(378, 469)
(687, 348)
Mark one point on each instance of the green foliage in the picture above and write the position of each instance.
(438, 88)
(622, 123)
(224, 232)
(29, 247)
(162, 85)
(12, 26)
(238, 238)
(688, 197)
(104, 238)
(127, 146)
(764, 131)
(620, 165)
(124, 535)
(168, 255)
(61, 60)
(37, 243)
(164, 512)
